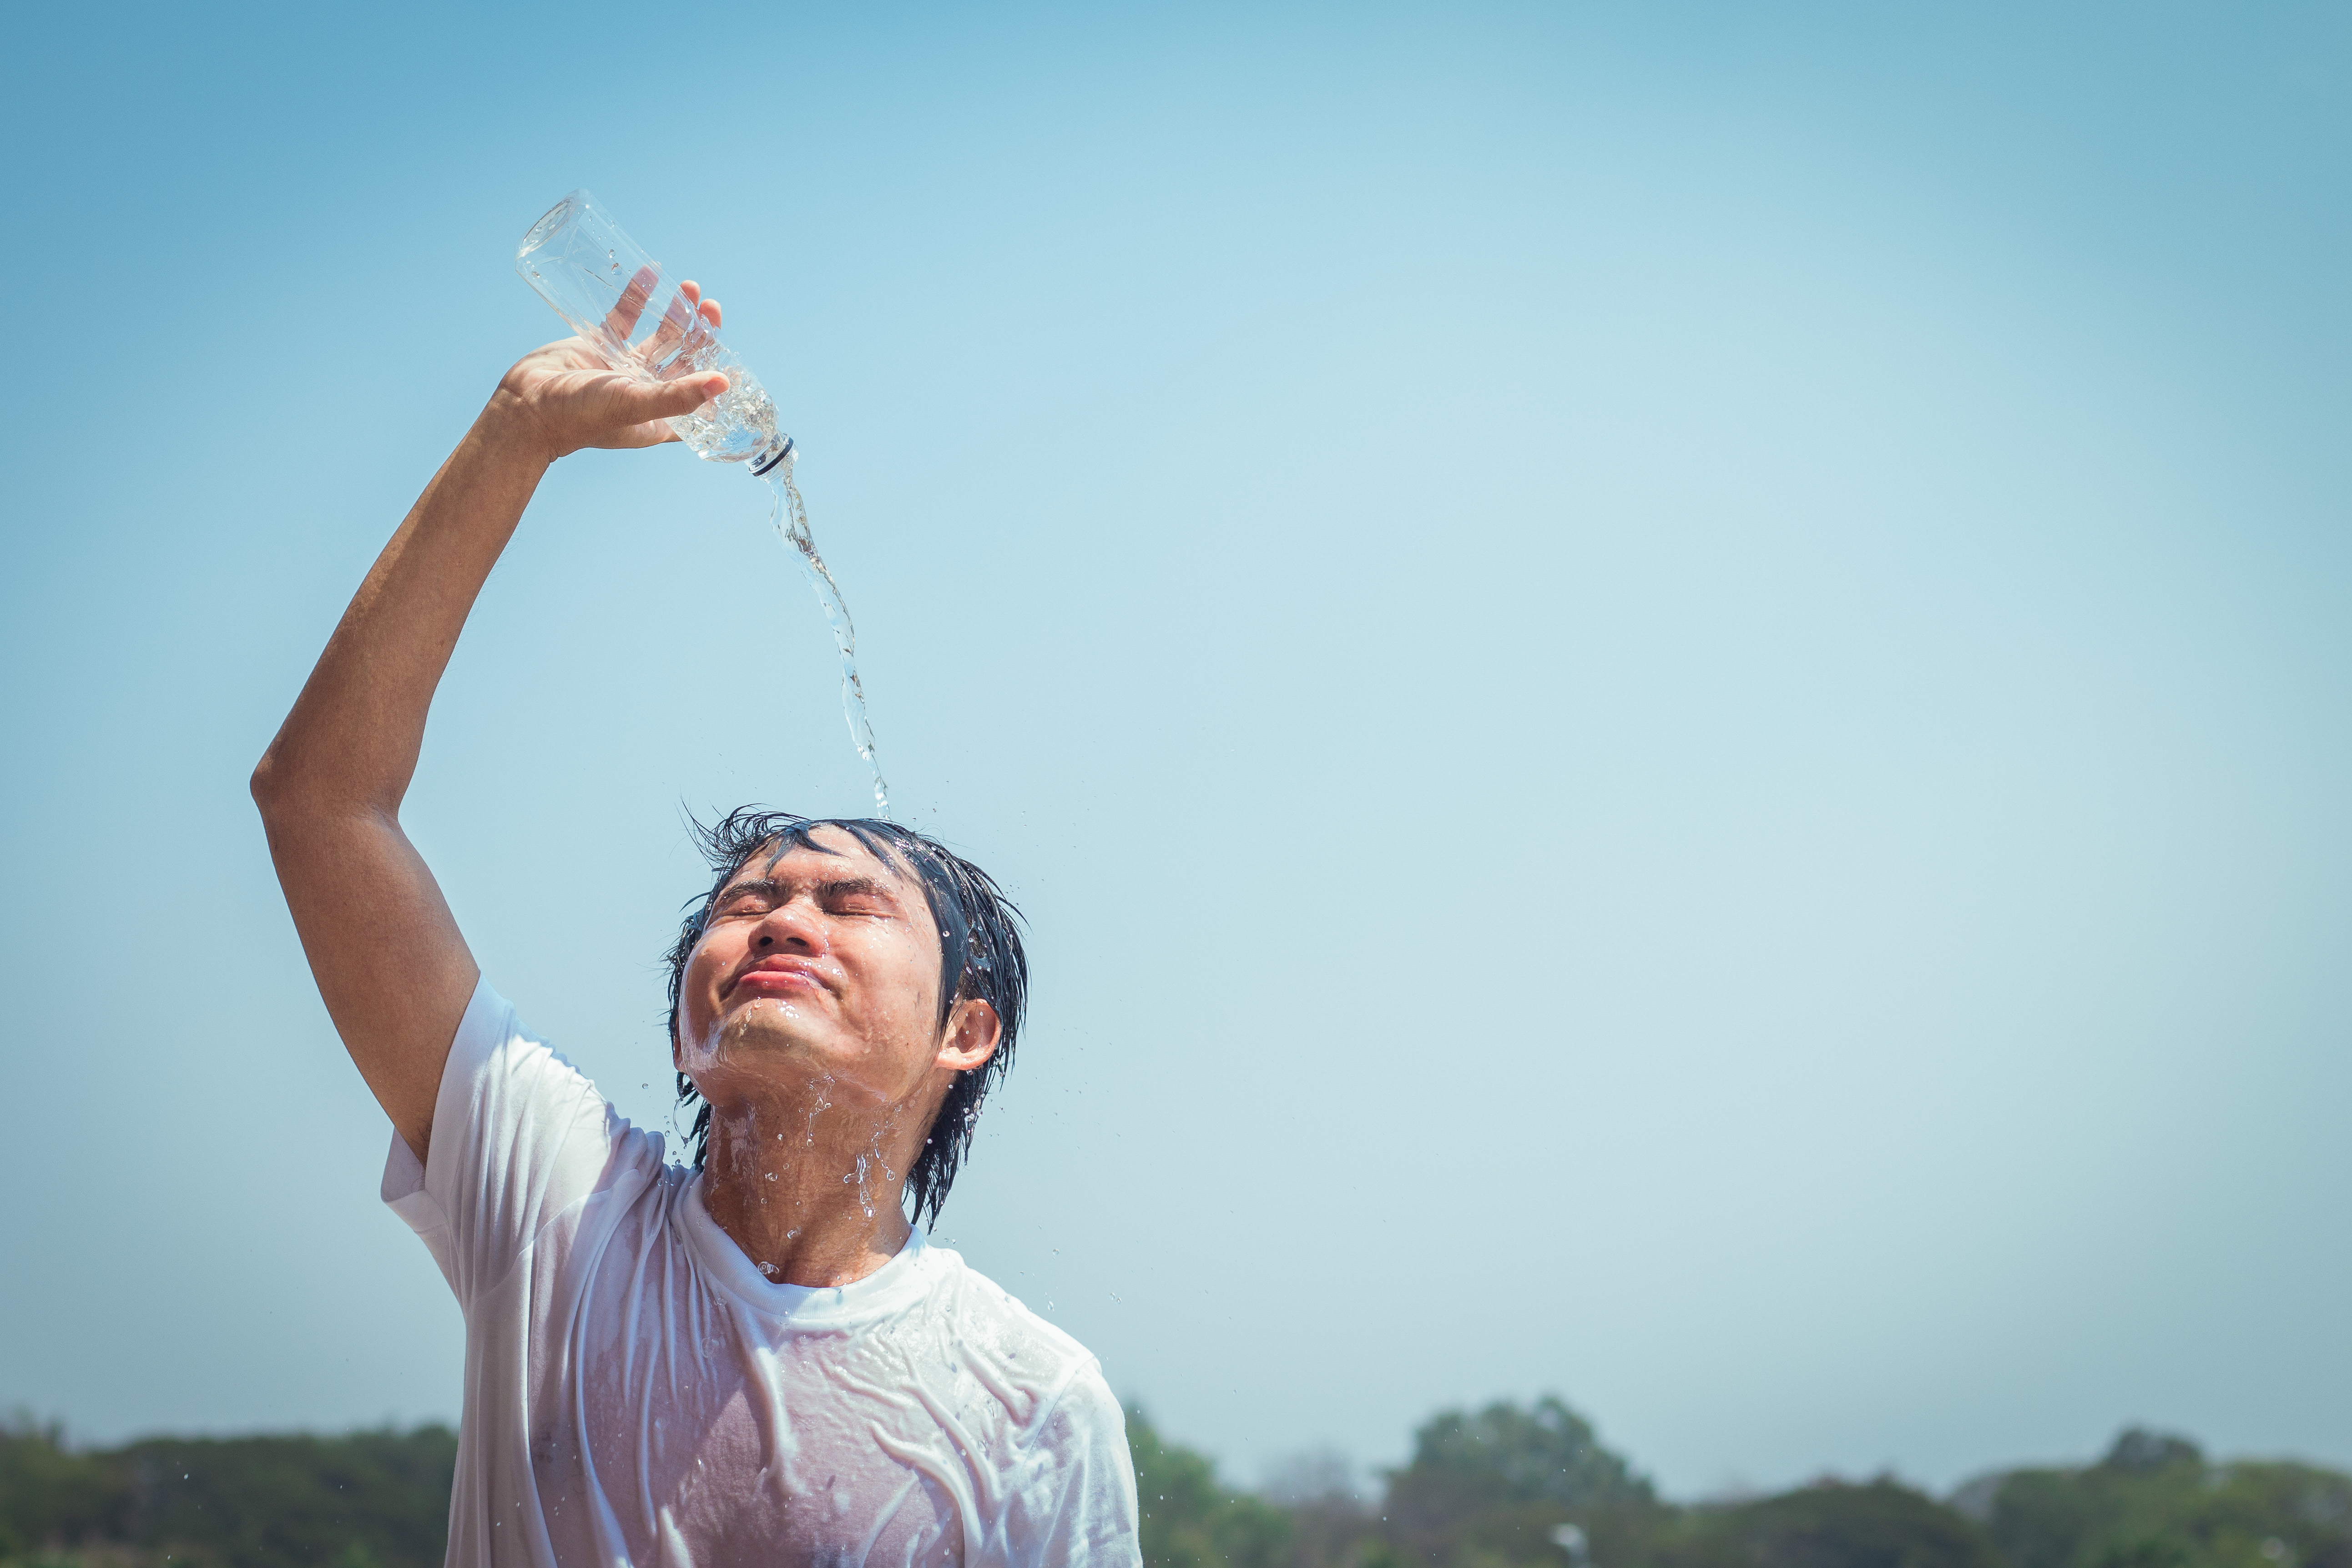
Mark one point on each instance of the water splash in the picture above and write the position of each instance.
(791, 518)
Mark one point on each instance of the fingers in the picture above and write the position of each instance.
(668, 399)
(622, 319)
(686, 314)
(676, 317)
(693, 292)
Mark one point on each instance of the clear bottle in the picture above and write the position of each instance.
(619, 300)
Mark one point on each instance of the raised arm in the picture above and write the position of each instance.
(390, 962)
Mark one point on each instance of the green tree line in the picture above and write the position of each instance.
(1504, 1487)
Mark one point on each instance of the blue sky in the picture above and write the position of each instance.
(1668, 684)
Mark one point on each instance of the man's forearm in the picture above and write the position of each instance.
(352, 738)
(391, 963)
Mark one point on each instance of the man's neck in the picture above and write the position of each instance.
(808, 1203)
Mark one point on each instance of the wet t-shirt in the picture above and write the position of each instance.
(637, 1393)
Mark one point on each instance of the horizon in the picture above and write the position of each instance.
(1363, 1482)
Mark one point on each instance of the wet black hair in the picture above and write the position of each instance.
(980, 959)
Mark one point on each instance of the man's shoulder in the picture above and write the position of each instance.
(1022, 1347)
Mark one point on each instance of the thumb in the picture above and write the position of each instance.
(672, 398)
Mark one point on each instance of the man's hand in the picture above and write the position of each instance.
(564, 396)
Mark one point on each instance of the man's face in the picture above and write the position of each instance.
(818, 968)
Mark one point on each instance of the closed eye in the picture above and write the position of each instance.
(849, 896)
(744, 898)
(856, 898)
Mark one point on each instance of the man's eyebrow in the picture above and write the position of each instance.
(766, 887)
(853, 887)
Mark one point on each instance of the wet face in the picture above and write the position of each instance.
(820, 968)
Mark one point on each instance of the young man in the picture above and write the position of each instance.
(759, 1360)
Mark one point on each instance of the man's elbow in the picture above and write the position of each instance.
(297, 801)
(268, 782)
(280, 789)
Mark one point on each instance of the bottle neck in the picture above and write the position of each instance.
(762, 464)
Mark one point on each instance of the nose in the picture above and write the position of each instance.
(793, 926)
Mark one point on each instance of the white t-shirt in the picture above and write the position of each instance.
(636, 1393)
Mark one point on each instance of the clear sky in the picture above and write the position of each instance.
(1670, 686)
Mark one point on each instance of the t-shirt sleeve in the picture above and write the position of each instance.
(1075, 1504)
(519, 1137)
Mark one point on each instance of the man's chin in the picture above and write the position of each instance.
(762, 1028)
(769, 1022)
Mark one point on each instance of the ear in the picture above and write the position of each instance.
(971, 1038)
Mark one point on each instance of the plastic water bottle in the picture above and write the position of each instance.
(620, 300)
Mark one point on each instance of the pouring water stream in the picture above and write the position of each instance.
(790, 520)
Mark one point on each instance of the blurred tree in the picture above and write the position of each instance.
(263, 1502)
(2137, 1451)
(1504, 1487)
(1545, 1453)
(1190, 1519)
(1493, 1486)
(1329, 1522)
(1830, 1524)
(370, 1499)
(49, 1494)
(2154, 1501)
